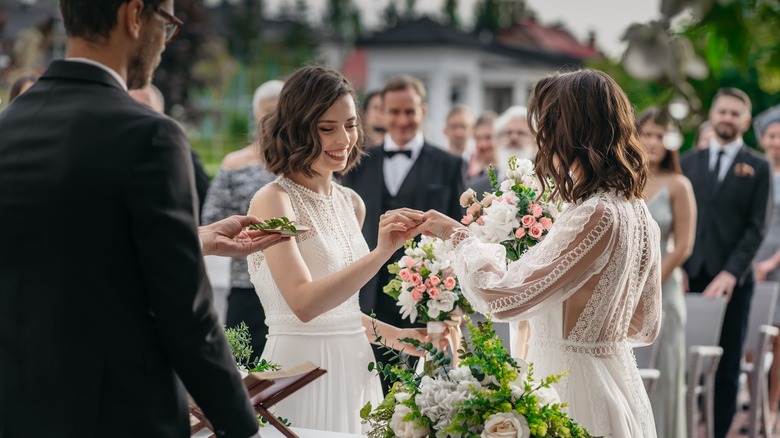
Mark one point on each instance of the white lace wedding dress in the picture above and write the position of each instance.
(592, 291)
(336, 340)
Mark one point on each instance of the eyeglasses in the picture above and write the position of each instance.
(172, 25)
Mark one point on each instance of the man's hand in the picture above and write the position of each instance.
(722, 284)
(229, 238)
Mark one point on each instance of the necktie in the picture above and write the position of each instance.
(391, 154)
(716, 170)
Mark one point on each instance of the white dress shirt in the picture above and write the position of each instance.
(730, 151)
(397, 167)
(110, 71)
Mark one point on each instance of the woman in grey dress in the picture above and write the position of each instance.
(671, 203)
(767, 128)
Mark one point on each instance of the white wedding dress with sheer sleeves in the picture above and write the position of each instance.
(592, 291)
(335, 340)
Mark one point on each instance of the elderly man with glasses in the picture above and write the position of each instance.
(106, 314)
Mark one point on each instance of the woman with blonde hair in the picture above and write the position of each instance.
(592, 288)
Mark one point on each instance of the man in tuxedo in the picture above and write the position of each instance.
(406, 171)
(732, 187)
(105, 309)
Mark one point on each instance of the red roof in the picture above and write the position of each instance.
(529, 33)
(355, 68)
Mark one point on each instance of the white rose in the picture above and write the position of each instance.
(500, 221)
(406, 429)
(516, 391)
(506, 425)
(547, 396)
(401, 397)
(408, 305)
(506, 185)
(524, 167)
(445, 302)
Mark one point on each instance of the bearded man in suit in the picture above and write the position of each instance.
(732, 187)
(406, 171)
(105, 308)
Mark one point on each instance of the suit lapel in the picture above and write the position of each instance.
(730, 177)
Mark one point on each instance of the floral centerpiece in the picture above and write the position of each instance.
(517, 214)
(424, 287)
(489, 395)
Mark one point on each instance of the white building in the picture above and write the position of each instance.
(457, 68)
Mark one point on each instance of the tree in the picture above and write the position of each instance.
(451, 13)
(343, 19)
(390, 15)
(494, 15)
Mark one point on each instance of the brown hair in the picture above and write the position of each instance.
(584, 121)
(671, 161)
(404, 82)
(289, 140)
(736, 93)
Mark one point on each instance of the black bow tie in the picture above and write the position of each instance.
(391, 154)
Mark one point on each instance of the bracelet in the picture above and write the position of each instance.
(459, 234)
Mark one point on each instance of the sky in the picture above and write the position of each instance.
(608, 18)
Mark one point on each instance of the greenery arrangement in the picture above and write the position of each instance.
(489, 395)
(274, 223)
(240, 342)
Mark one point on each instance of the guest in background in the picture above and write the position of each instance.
(20, 85)
(767, 128)
(704, 135)
(242, 174)
(459, 129)
(671, 203)
(152, 97)
(484, 146)
(513, 136)
(732, 186)
(373, 119)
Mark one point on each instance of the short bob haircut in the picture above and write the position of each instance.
(584, 123)
(671, 161)
(289, 140)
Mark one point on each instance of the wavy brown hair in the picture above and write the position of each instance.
(584, 123)
(288, 140)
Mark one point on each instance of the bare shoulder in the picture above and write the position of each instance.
(241, 158)
(679, 185)
(271, 201)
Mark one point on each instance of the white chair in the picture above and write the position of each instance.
(646, 362)
(702, 340)
(760, 333)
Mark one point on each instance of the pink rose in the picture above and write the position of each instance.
(528, 221)
(467, 219)
(520, 233)
(410, 262)
(536, 231)
(487, 201)
(474, 209)
(435, 281)
(415, 279)
(420, 288)
(546, 222)
(428, 283)
(416, 295)
(480, 221)
(449, 283)
(536, 210)
(510, 198)
(467, 197)
(405, 274)
(434, 292)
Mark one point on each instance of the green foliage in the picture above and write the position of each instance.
(274, 223)
(240, 343)
(450, 10)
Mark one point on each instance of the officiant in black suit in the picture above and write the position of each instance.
(105, 309)
(732, 187)
(406, 171)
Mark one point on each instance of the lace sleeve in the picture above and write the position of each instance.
(576, 249)
(646, 321)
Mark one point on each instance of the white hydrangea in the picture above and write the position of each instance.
(437, 400)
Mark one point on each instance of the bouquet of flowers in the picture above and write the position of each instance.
(424, 287)
(517, 214)
(489, 395)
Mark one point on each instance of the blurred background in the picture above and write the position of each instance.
(482, 53)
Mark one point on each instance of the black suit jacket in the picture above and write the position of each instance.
(443, 181)
(104, 300)
(732, 216)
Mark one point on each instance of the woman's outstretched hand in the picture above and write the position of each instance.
(396, 227)
(439, 225)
